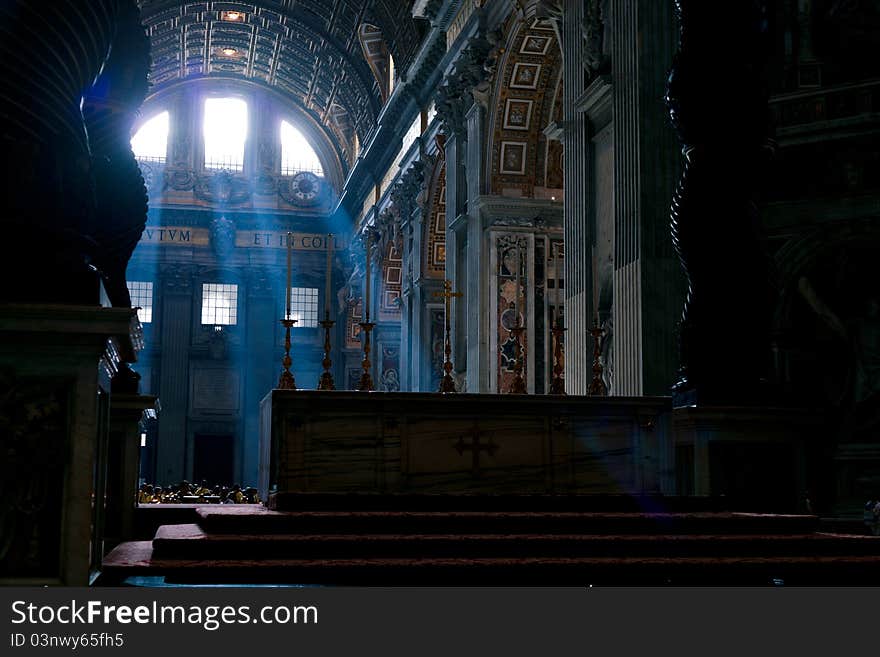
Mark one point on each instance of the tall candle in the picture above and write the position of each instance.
(556, 287)
(367, 281)
(596, 284)
(329, 275)
(289, 274)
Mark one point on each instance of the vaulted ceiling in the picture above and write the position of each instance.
(308, 50)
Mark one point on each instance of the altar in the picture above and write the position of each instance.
(356, 442)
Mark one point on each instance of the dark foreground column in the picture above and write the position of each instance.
(717, 100)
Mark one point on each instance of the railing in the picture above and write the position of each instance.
(802, 108)
(295, 169)
(230, 164)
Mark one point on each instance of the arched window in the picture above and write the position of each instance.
(225, 133)
(150, 143)
(296, 153)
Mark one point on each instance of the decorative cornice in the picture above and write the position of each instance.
(596, 100)
(90, 322)
(493, 208)
(469, 80)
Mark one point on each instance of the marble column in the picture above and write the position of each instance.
(262, 367)
(475, 315)
(456, 239)
(648, 286)
(406, 341)
(578, 229)
(417, 321)
(176, 327)
(718, 102)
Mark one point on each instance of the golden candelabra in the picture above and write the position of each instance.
(366, 384)
(286, 381)
(597, 385)
(447, 383)
(518, 385)
(557, 386)
(326, 380)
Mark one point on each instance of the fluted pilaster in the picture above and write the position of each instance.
(578, 229)
(176, 323)
(647, 289)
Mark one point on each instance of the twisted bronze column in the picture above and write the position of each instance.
(718, 103)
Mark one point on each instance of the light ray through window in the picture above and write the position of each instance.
(296, 153)
(150, 142)
(225, 132)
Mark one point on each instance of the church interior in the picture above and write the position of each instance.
(440, 292)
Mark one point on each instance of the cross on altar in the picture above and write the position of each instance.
(475, 447)
(447, 384)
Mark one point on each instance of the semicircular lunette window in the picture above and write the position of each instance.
(225, 133)
(297, 154)
(150, 142)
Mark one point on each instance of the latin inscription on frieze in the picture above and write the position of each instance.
(278, 240)
(175, 236)
(245, 239)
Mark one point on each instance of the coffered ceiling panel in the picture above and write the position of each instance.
(306, 49)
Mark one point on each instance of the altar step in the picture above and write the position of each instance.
(593, 502)
(260, 521)
(191, 542)
(135, 560)
(253, 545)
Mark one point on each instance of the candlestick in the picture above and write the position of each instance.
(329, 276)
(597, 385)
(289, 274)
(447, 383)
(596, 284)
(557, 386)
(367, 278)
(287, 382)
(518, 385)
(366, 384)
(326, 380)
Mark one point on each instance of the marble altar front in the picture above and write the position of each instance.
(315, 441)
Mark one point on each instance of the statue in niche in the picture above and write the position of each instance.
(597, 36)
(482, 89)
